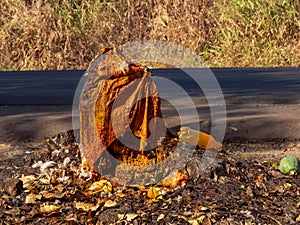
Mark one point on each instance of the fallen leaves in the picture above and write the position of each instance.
(160, 217)
(48, 208)
(13, 212)
(154, 193)
(127, 217)
(110, 204)
(86, 206)
(175, 179)
(31, 198)
(28, 180)
(249, 191)
(100, 186)
(63, 194)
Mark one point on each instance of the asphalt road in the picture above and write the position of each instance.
(261, 103)
(263, 85)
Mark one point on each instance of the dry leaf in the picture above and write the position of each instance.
(31, 198)
(121, 195)
(160, 217)
(203, 140)
(86, 206)
(131, 216)
(201, 208)
(44, 181)
(47, 165)
(71, 217)
(287, 185)
(153, 193)
(260, 181)
(48, 208)
(277, 174)
(121, 216)
(201, 219)
(174, 179)
(99, 186)
(193, 222)
(13, 211)
(27, 180)
(183, 217)
(249, 191)
(55, 194)
(109, 204)
(128, 217)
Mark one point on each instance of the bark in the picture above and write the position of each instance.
(119, 112)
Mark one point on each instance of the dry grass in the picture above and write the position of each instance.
(65, 34)
(256, 33)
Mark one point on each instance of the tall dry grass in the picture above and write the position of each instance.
(256, 33)
(65, 34)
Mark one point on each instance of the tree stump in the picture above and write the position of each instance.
(120, 115)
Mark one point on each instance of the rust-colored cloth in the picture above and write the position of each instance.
(116, 111)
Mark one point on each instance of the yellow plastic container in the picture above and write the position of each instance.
(195, 137)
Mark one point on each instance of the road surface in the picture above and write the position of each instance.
(261, 103)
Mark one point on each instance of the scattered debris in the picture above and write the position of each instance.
(232, 191)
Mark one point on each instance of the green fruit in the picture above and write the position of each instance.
(289, 165)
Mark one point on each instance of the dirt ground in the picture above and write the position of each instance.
(243, 186)
(255, 150)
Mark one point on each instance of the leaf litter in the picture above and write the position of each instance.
(64, 190)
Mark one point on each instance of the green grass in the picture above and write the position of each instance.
(65, 34)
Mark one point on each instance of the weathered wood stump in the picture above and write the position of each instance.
(120, 115)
